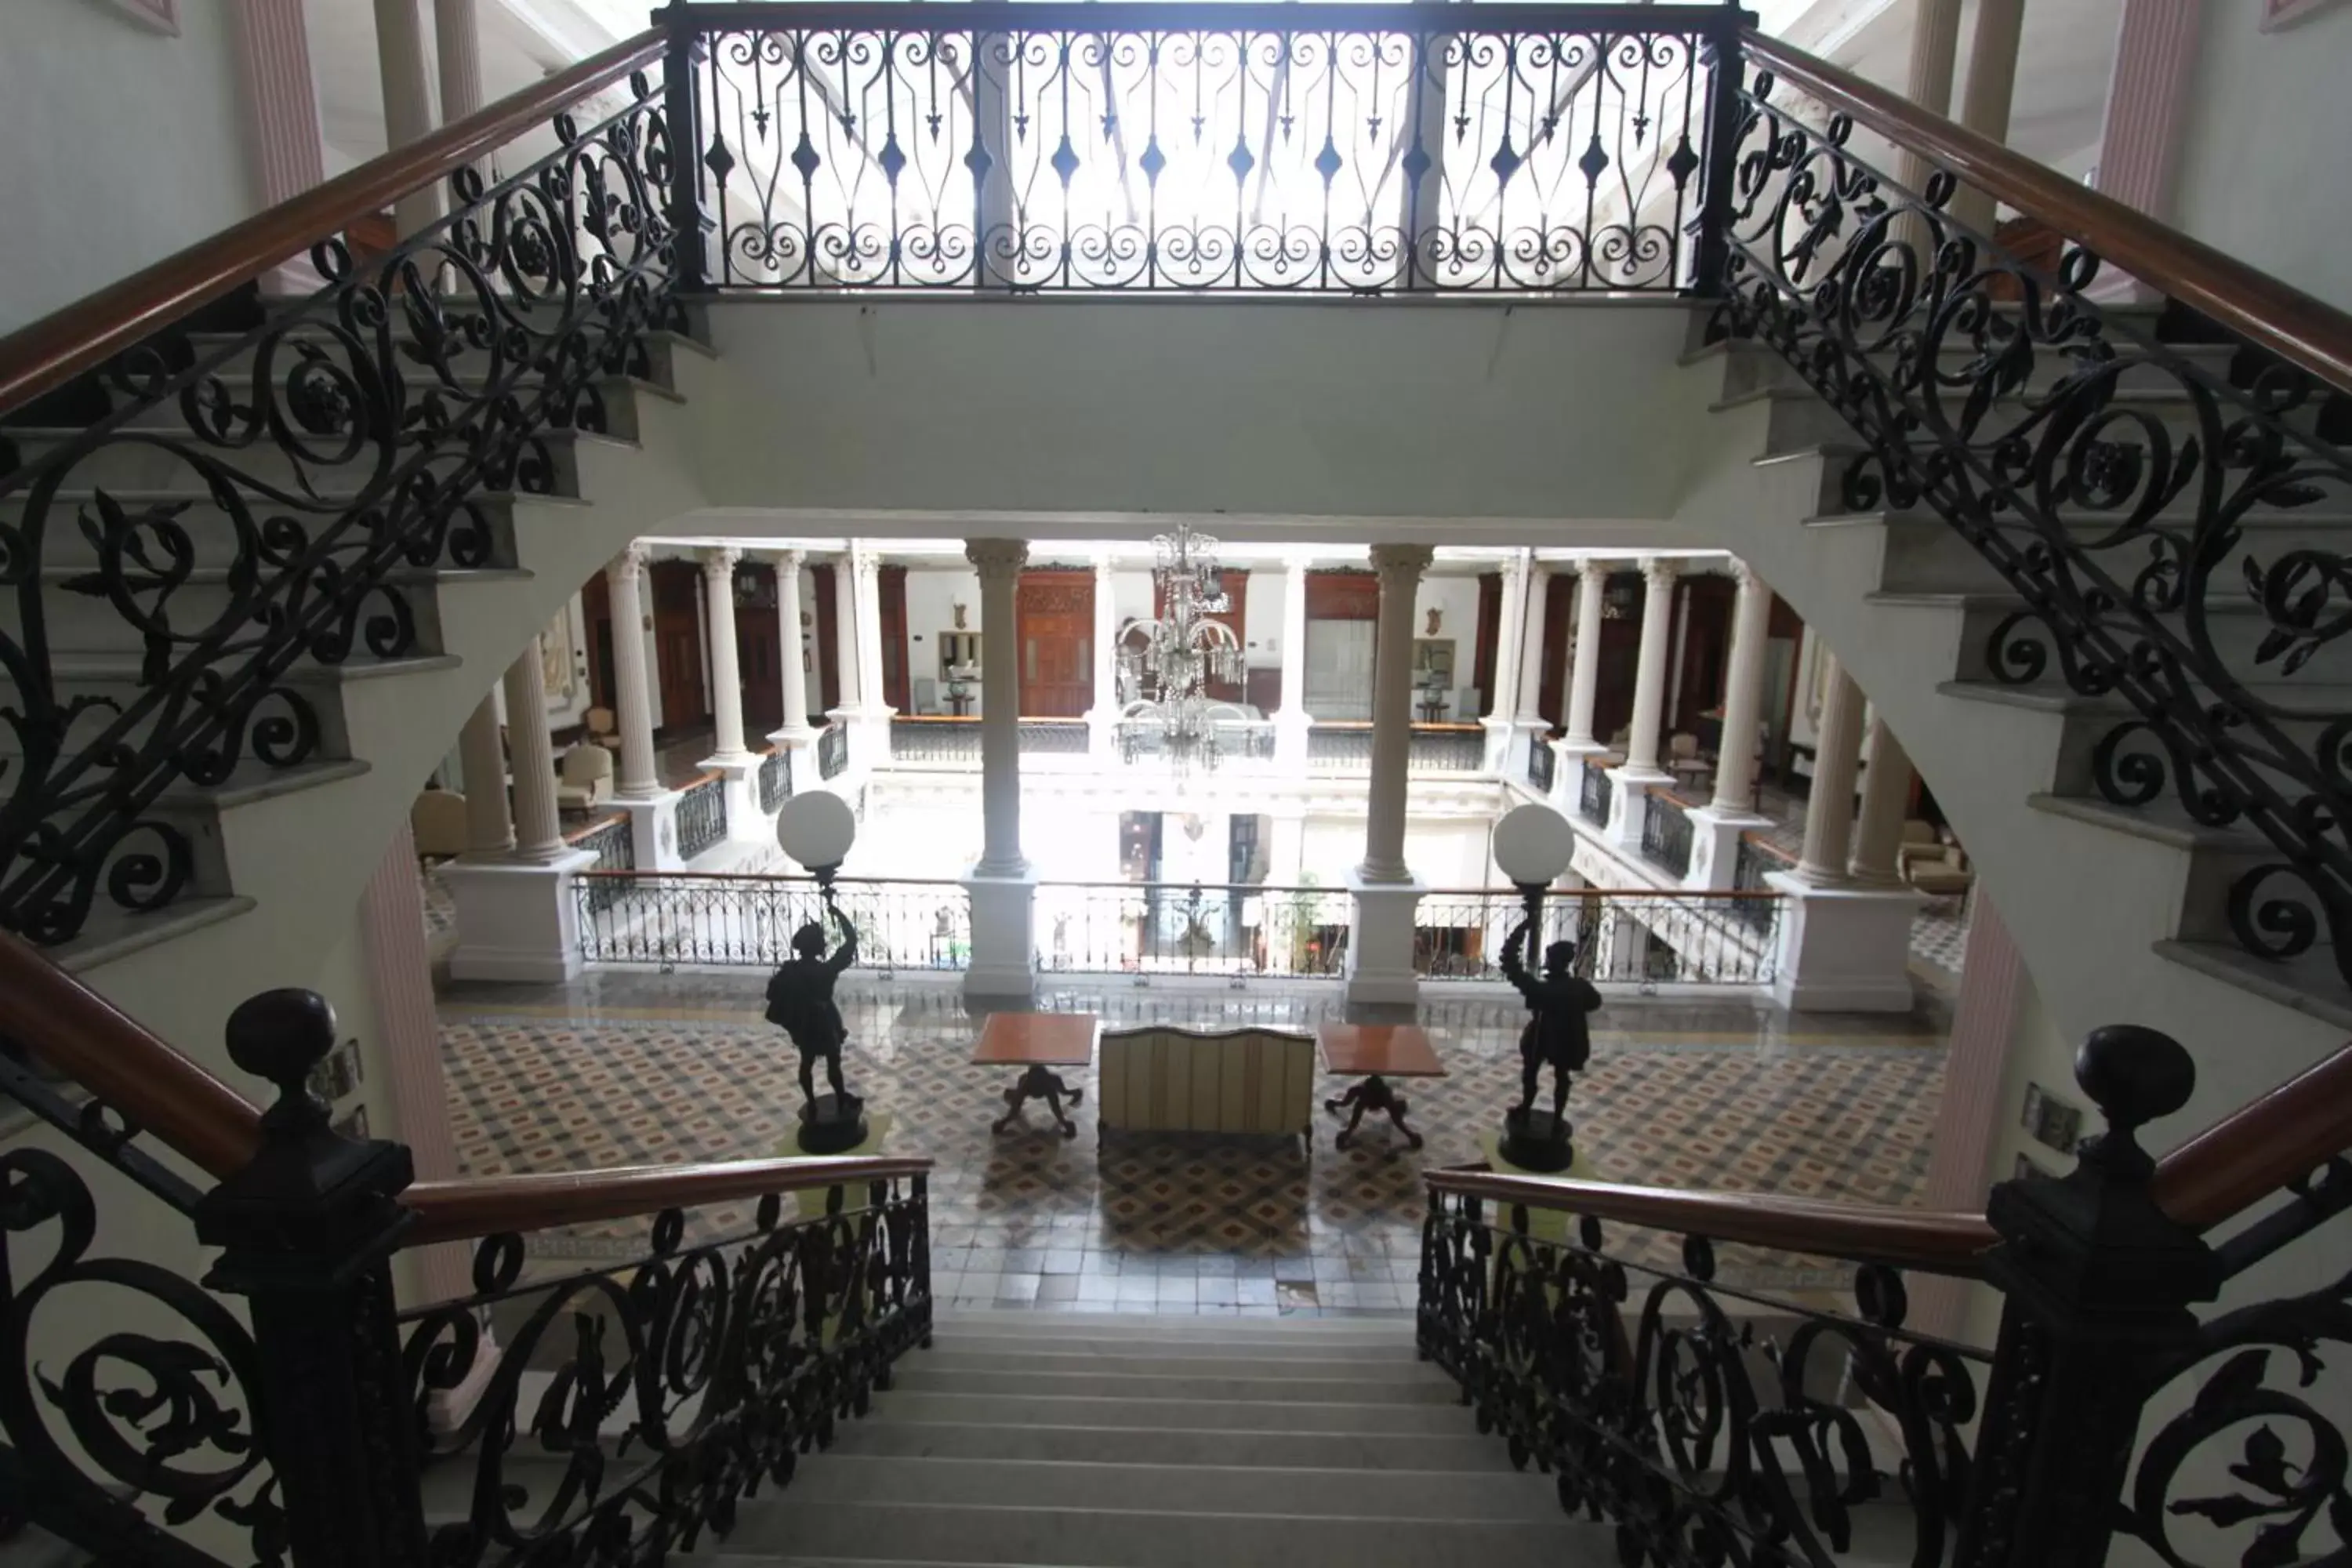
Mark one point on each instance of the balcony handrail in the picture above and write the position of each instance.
(1204, 887)
(775, 876)
(2282, 317)
(1651, 894)
(2266, 1144)
(492, 1205)
(1939, 1241)
(46, 355)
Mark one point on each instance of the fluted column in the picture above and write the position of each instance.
(1510, 640)
(1935, 45)
(2155, 44)
(488, 829)
(1533, 629)
(408, 101)
(1743, 697)
(1291, 722)
(866, 566)
(845, 631)
(1102, 715)
(458, 48)
(1829, 811)
(1400, 567)
(539, 836)
(632, 686)
(999, 564)
(1650, 674)
(1984, 103)
(286, 139)
(726, 665)
(1886, 799)
(794, 730)
(1584, 659)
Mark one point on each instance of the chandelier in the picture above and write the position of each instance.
(1167, 664)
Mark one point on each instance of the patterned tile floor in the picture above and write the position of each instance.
(631, 1069)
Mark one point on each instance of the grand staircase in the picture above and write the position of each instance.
(1164, 1442)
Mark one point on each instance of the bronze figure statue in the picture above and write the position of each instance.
(800, 1002)
(1555, 1035)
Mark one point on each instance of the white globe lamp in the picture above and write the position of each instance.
(816, 829)
(1533, 845)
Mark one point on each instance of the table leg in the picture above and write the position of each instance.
(1375, 1093)
(1041, 1083)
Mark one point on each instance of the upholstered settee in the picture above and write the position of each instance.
(1163, 1079)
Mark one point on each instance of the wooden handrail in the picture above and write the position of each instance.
(125, 1064)
(462, 1211)
(2260, 1147)
(44, 355)
(2280, 317)
(1941, 1242)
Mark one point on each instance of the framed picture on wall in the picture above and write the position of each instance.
(2277, 14)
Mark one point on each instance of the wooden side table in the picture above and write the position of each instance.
(1037, 1043)
(1380, 1052)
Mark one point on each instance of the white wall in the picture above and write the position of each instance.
(1262, 609)
(123, 145)
(1455, 598)
(932, 594)
(2263, 174)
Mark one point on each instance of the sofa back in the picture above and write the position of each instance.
(1164, 1079)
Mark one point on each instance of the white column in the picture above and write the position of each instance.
(794, 730)
(1650, 674)
(1584, 658)
(726, 665)
(1503, 704)
(1533, 629)
(866, 566)
(2155, 44)
(844, 629)
(539, 834)
(1400, 567)
(1984, 104)
(1935, 45)
(1102, 717)
(1291, 722)
(1743, 697)
(281, 100)
(1886, 797)
(632, 686)
(999, 562)
(457, 46)
(407, 101)
(488, 829)
(1829, 811)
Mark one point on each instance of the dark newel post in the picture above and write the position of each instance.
(685, 149)
(306, 1233)
(2099, 1282)
(1720, 167)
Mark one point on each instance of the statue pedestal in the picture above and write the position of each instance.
(1537, 1140)
(813, 1200)
(832, 1124)
(1543, 1225)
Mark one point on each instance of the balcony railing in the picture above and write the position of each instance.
(701, 818)
(1345, 746)
(674, 918)
(927, 740)
(1238, 740)
(1146, 929)
(1539, 766)
(1666, 835)
(1592, 796)
(833, 750)
(1055, 738)
(776, 781)
(614, 845)
(1249, 149)
(1754, 858)
(1622, 938)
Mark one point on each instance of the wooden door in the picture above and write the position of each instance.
(1057, 615)
(596, 611)
(1707, 650)
(759, 651)
(827, 689)
(677, 644)
(1620, 658)
(1559, 625)
(892, 592)
(1490, 634)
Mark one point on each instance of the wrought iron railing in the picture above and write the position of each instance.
(1344, 746)
(1622, 938)
(776, 781)
(1540, 764)
(927, 740)
(1593, 792)
(2140, 504)
(1252, 148)
(669, 919)
(614, 843)
(1666, 833)
(1238, 740)
(1752, 860)
(293, 481)
(833, 750)
(1146, 929)
(1055, 738)
(701, 818)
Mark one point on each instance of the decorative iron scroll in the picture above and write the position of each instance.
(1669, 1415)
(1542, 150)
(307, 470)
(636, 1406)
(2163, 519)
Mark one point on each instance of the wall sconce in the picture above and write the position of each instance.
(1436, 617)
(958, 609)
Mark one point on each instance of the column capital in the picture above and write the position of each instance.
(1401, 564)
(719, 564)
(788, 560)
(996, 557)
(1659, 571)
(863, 559)
(1747, 576)
(630, 564)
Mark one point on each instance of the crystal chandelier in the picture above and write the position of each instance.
(1168, 663)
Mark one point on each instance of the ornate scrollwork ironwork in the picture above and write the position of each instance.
(2163, 520)
(1259, 155)
(636, 1406)
(245, 511)
(128, 1398)
(1664, 1410)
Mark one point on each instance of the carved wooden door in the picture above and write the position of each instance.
(678, 644)
(1057, 633)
